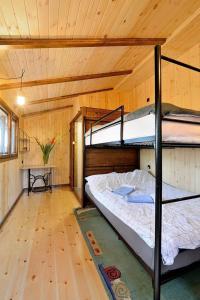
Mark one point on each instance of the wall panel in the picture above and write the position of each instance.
(180, 86)
(107, 100)
(181, 167)
(10, 179)
(10, 185)
(44, 127)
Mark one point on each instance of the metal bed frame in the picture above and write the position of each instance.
(158, 145)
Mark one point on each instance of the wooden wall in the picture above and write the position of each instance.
(107, 100)
(10, 185)
(180, 87)
(44, 127)
(10, 180)
(181, 167)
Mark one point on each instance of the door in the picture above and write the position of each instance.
(71, 176)
(78, 158)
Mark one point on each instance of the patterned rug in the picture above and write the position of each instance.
(134, 282)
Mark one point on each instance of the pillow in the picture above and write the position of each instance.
(101, 182)
(140, 199)
(124, 190)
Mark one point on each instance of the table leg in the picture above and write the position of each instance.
(29, 181)
(50, 180)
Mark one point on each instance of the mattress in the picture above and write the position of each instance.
(139, 126)
(142, 250)
(180, 222)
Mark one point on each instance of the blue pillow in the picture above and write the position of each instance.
(140, 199)
(123, 190)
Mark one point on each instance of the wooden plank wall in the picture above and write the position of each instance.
(10, 181)
(181, 167)
(181, 87)
(10, 185)
(46, 126)
(107, 100)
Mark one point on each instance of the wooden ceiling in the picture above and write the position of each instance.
(80, 19)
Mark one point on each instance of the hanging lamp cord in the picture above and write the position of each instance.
(23, 71)
(12, 78)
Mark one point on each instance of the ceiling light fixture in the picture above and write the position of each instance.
(20, 100)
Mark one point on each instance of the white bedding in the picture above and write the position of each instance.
(180, 221)
(145, 127)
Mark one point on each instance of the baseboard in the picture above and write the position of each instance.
(11, 209)
(61, 185)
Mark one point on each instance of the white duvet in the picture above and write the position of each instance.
(180, 221)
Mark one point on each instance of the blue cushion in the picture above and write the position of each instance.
(140, 199)
(123, 190)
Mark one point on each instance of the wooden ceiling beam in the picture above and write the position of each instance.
(15, 85)
(22, 43)
(46, 111)
(40, 101)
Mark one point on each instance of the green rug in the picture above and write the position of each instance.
(115, 252)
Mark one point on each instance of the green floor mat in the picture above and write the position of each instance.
(116, 253)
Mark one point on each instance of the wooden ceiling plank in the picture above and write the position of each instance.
(147, 60)
(43, 18)
(68, 96)
(20, 43)
(32, 17)
(9, 17)
(31, 83)
(46, 111)
(19, 10)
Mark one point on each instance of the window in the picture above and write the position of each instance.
(13, 136)
(4, 120)
(8, 132)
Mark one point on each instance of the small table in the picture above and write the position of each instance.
(47, 177)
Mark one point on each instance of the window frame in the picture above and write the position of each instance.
(11, 116)
(14, 118)
(6, 155)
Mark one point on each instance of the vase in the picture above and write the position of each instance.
(45, 158)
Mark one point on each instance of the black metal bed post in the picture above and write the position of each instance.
(91, 134)
(158, 173)
(122, 126)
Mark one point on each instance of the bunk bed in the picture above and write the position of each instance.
(157, 127)
(179, 126)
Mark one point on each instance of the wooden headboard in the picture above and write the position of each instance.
(106, 160)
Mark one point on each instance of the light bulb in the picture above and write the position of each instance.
(20, 100)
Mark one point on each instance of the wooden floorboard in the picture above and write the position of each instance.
(43, 254)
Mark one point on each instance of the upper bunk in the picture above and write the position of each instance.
(180, 128)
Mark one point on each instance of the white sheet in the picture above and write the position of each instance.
(180, 222)
(145, 127)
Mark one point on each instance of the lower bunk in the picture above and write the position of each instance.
(185, 230)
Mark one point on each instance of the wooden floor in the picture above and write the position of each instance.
(43, 255)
